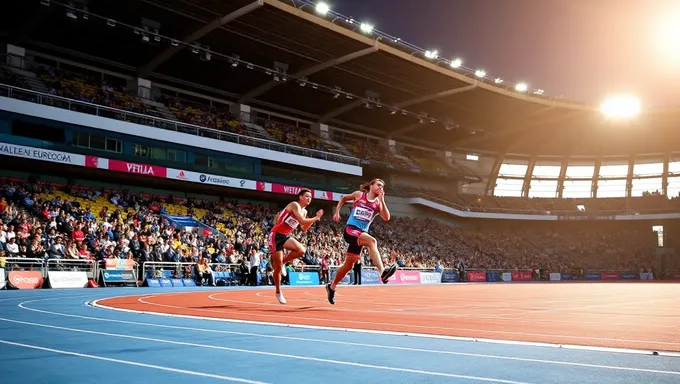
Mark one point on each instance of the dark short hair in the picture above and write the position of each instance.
(303, 191)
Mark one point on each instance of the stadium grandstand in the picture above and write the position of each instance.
(151, 144)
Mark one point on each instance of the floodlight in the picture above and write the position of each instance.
(456, 63)
(620, 107)
(480, 73)
(498, 80)
(431, 54)
(366, 28)
(521, 87)
(322, 8)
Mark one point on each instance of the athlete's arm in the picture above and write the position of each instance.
(344, 200)
(384, 212)
(301, 216)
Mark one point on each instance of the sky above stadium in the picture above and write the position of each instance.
(581, 49)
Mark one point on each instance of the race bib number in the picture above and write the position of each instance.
(363, 214)
(292, 222)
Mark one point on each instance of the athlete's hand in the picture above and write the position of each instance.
(336, 217)
(381, 194)
(319, 213)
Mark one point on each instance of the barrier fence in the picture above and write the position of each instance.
(26, 273)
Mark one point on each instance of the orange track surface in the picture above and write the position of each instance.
(638, 316)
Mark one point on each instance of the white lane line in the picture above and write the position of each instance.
(376, 346)
(373, 323)
(126, 362)
(264, 353)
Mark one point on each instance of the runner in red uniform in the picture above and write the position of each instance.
(285, 222)
(369, 202)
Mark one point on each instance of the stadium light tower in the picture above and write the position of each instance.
(456, 63)
(620, 107)
(480, 73)
(322, 8)
(521, 87)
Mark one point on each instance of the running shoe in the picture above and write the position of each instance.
(388, 272)
(282, 299)
(330, 293)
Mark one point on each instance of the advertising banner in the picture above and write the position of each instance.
(646, 276)
(506, 276)
(25, 279)
(121, 264)
(609, 275)
(450, 277)
(118, 276)
(555, 276)
(41, 154)
(59, 279)
(304, 278)
(476, 276)
(671, 276)
(493, 276)
(205, 178)
(629, 276)
(153, 283)
(430, 278)
(405, 277)
(165, 282)
(3, 280)
(592, 276)
(521, 276)
(369, 276)
(567, 276)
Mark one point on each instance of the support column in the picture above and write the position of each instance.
(629, 177)
(242, 112)
(140, 87)
(527, 178)
(321, 130)
(563, 174)
(16, 56)
(596, 177)
(664, 176)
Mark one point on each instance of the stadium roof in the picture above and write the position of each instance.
(351, 79)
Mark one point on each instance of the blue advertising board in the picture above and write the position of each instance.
(567, 276)
(593, 276)
(304, 278)
(629, 276)
(118, 276)
(450, 277)
(370, 276)
(348, 279)
(493, 276)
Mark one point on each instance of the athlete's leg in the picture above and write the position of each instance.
(340, 274)
(296, 249)
(368, 241)
(344, 269)
(277, 264)
(371, 243)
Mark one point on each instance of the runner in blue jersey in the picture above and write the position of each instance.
(369, 202)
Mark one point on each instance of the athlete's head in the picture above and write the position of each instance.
(374, 186)
(305, 197)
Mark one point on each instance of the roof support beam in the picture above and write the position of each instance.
(254, 93)
(339, 111)
(162, 57)
(435, 96)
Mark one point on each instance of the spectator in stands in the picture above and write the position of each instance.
(204, 274)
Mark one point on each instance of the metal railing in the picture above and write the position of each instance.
(68, 265)
(170, 125)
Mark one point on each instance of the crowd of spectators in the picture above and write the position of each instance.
(47, 221)
(112, 92)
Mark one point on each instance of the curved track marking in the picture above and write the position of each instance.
(383, 324)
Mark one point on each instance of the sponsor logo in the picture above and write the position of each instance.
(26, 279)
(242, 182)
(182, 176)
(140, 169)
(118, 275)
(94, 161)
(430, 277)
(304, 278)
(218, 180)
(34, 153)
(291, 190)
(60, 279)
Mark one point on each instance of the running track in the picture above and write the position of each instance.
(60, 336)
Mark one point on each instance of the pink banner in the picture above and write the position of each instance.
(287, 189)
(521, 276)
(476, 276)
(609, 275)
(405, 277)
(139, 169)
